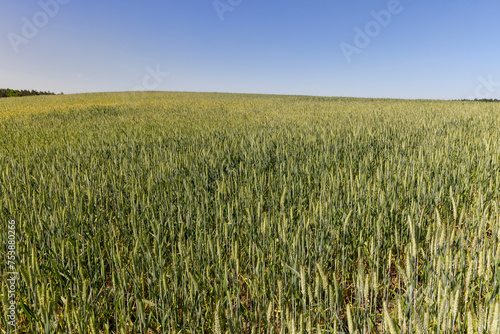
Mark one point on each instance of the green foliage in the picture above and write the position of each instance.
(15, 93)
(192, 213)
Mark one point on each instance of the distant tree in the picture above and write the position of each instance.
(7, 92)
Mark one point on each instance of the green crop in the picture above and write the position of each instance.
(218, 213)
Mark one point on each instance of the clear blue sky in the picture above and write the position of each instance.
(429, 49)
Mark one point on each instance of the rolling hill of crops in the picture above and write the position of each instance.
(226, 213)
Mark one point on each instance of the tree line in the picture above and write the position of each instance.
(6, 92)
(481, 100)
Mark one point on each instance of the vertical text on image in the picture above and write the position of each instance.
(12, 274)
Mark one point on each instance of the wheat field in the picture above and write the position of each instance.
(229, 213)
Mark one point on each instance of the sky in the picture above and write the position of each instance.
(431, 49)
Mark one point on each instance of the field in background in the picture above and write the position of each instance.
(191, 213)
